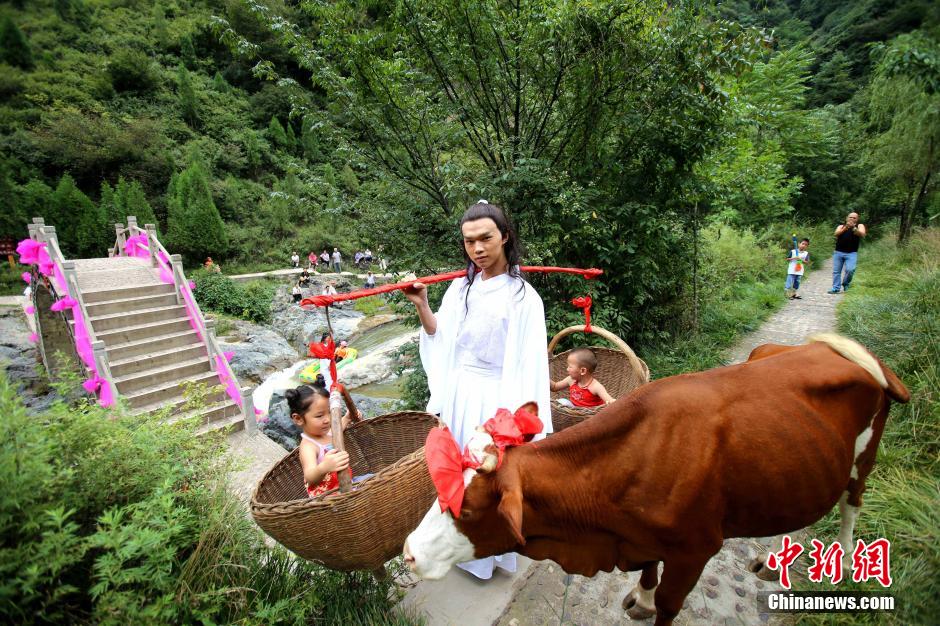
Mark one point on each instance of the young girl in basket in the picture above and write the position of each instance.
(310, 410)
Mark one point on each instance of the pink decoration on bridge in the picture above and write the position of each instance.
(46, 265)
(100, 387)
(30, 309)
(166, 275)
(27, 277)
(228, 355)
(230, 387)
(34, 337)
(137, 246)
(28, 251)
(64, 303)
(192, 285)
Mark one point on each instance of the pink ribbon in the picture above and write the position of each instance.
(64, 303)
(27, 277)
(28, 251)
(99, 386)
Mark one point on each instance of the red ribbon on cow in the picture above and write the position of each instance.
(446, 464)
(584, 303)
(324, 301)
(325, 350)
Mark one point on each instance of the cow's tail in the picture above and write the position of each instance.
(858, 354)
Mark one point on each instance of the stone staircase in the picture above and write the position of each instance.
(151, 345)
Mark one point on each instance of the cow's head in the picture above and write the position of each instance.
(490, 519)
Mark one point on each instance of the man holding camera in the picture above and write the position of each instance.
(844, 259)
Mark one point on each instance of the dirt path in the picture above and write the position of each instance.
(726, 592)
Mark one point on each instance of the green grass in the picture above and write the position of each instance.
(11, 280)
(894, 309)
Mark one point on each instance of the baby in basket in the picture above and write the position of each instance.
(583, 389)
(310, 409)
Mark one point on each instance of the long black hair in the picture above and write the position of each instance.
(300, 399)
(512, 247)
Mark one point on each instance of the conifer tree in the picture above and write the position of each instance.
(189, 104)
(14, 49)
(276, 133)
(219, 84)
(194, 227)
(134, 202)
(160, 30)
(291, 136)
(188, 51)
(80, 223)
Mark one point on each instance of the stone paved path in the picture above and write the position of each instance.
(726, 592)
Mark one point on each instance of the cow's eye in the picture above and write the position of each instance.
(466, 514)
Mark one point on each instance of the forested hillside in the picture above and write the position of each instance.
(614, 132)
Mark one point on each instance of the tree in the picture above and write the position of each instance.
(127, 198)
(276, 134)
(80, 223)
(194, 227)
(14, 48)
(189, 103)
(904, 150)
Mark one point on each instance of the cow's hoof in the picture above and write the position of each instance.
(760, 569)
(633, 608)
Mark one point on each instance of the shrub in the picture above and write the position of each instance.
(113, 519)
(194, 227)
(218, 292)
(132, 70)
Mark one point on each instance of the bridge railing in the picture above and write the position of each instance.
(170, 267)
(65, 283)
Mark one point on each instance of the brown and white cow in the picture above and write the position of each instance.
(667, 473)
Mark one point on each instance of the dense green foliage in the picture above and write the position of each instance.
(129, 520)
(250, 301)
(894, 309)
(613, 132)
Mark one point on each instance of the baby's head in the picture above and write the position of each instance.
(309, 407)
(581, 363)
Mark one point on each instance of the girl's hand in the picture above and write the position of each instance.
(335, 461)
(417, 294)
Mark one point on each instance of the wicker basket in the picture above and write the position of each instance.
(364, 528)
(621, 371)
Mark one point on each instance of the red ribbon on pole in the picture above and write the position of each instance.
(323, 301)
(584, 303)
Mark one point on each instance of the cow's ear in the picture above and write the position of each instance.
(531, 407)
(510, 507)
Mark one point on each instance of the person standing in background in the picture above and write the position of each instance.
(337, 260)
(845, 257)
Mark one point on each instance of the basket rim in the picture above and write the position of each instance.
(334, 495)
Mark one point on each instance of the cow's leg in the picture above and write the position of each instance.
(679, 577)
(759, 564)
(866, 449)
(640, 602)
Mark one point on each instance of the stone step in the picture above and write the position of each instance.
(222, 411)
(136, 318)
(174, 396)
(157, 359)
(122, 293)
(122, 351)
(228, 424)
(135, 303)
(169, 373)
(143, 331)
(153, 397)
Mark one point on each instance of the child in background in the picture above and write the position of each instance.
(583, 389)
(342, 351)
(310, 410)
(297, 293)
(798, 260)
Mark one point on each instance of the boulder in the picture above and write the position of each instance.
(299, 326)
(258, 352)
(279, 425)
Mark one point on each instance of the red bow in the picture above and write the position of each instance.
(584, 303)
(325, 350)
(446, 464)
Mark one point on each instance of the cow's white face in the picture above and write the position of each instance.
(436, 544)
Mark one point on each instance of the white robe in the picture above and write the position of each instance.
(490, 355)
